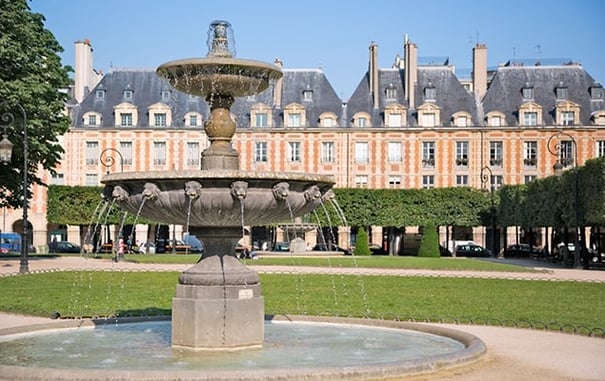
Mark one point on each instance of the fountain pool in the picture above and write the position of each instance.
(295, 348)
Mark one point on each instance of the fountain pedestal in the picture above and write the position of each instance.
(218, 305)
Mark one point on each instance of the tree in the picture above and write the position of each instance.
(31, 75)
(429, 245)
(361, 242)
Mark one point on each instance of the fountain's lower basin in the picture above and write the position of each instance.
(308, 348)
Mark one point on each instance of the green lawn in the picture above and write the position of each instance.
(482, 301)
(385, 262)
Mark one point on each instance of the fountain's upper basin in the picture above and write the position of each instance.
(217, 197)
(219, 75)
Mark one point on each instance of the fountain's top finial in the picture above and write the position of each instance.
(220, 39)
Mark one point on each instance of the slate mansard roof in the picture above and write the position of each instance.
(504, 94)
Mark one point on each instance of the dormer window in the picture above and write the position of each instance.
(395, 115)
(561, 91)
(327, 119)
(308, 95)
(294, 115)
(430, 92)
(530, 114)
(260, 115)
(92, 119)
(361, 119)
(127, 94)
(567, 113)
(100, 94)
(527, 91)
(390, 92)
(496, 119)
(193, 119)
(160, 115)
(125, 115)
(166, 95)
(596, 92)
(461, 119)
(429, 115)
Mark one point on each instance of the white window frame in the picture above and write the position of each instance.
(260, 152)
(294, 152)
(361, 152)
(328, 152)
(395, 154)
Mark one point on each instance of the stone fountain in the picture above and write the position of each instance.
(218, 302)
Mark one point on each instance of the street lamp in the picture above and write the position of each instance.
(487, 176)
(6, 152)
(558, 167)
(109, 161)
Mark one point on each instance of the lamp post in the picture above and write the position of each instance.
(6, 151)
(556, 151)
(487, 176)
(109, 161)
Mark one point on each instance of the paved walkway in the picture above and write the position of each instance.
(513, 354)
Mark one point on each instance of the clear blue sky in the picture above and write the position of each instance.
(333, 35)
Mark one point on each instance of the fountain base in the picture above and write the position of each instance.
(218, 306)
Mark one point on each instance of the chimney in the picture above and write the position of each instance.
(410, 72)
(279, 84)
(83, 69)
(480, 70)
(373, 72)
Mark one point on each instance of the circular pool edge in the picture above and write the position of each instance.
(473, 351)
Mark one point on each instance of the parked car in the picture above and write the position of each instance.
(146, 247)
(331, 247)
(63, 247)
(376, 249)
(472, 250)
(281, 246)
(522, 250)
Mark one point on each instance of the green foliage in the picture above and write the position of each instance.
(429, 245)
(412, 207)
(361, 243)
(31, 75)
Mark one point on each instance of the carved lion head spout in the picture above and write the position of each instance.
(312, 193)
(329, 195)
(239, 189)
(150, 191)
(119, 193)
(193, 189)
(281, 191)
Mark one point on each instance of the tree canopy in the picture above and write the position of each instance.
(31, 75)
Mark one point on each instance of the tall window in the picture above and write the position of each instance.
(261, 119)
(496, 181)
(361, 152)
(92, 120)
(395, 152)
(462, 154)
(428, 181)
(327, 152)
(159, 119)
(528, 179)
(567, 118)
(126, 119)
(428, 154)
(530, 153)
(427, 119)
(530, 118)
(260, 152)
(159, 153)
(294, 152)
(126, 151)
(294, 119)
(566, 154)
(495, 154)
(601, 148)
(394, 181)
(92, 179)
(92, 153)
(193, 153)
(192, 120)
(361, 181)
(461, 180)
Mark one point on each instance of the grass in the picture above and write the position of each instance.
(490, 301)
(384, 262)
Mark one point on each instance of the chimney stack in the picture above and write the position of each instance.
(410, 72)
(374, 77)
(480, 70)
